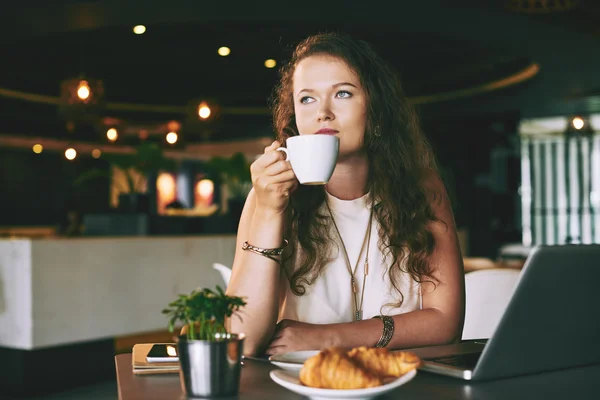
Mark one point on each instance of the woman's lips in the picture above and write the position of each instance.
(326, 132)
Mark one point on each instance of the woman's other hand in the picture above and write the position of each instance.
(273, 180)
(297, 336)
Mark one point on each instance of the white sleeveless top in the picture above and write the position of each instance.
(329, 299)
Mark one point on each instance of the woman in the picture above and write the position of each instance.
(301, 256)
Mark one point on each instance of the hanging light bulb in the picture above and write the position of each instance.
(83, 90)
(203, 117)
(70, 154)
(112, 134)
(81, 99)
(172, 137)
(204, 110)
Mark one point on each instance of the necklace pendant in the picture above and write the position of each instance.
(358, 315)
(353, 281)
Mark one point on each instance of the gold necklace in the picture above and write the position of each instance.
(358, 312)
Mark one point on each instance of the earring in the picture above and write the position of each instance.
(376, 132)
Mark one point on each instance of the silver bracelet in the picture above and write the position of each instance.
(388, 330)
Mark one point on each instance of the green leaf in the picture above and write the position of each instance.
(234, 171)
(204, 312)
(146, 159)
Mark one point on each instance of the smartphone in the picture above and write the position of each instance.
(163, 352)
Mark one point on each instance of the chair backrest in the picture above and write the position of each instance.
(224, 271)
(487, 295)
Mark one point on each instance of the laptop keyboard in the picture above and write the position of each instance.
(464, 361)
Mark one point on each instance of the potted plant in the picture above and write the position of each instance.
(148, 158)
(209, 355)
(234, 173)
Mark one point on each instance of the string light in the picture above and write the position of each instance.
(172, 137)
(83, 90)
(70, 154)
(112, 134)
(204, 110)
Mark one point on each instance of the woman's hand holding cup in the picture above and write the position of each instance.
(273, 180)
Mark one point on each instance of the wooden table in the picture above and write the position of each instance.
(577, 383)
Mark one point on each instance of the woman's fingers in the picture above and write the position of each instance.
(275, 145)
(267, 159)
(278, 167)
(286, 177)
(283, 183)
(272, 147)
(272, 178)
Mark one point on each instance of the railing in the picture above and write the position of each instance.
(560, 189)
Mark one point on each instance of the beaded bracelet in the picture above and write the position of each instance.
(388, 330)
(269, 253)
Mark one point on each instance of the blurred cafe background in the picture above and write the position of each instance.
(127, 130)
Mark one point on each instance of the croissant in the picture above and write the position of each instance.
(333, 369)
(382, 362)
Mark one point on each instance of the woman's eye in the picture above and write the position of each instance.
(343, 94)
(306, 100)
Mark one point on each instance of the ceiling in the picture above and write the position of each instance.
(450, 57)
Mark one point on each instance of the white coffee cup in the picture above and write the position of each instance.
(313, 157)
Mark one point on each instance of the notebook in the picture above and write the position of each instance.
(142, 367)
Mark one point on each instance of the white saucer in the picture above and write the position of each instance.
(292, 361)
(289, 380)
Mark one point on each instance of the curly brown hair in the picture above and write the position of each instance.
(400, 159)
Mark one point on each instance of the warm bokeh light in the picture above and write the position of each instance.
(166, 184)
(139, 29)
(70, 154)
(270, 63)
(172, 137)
(173, 126)
(171, 351)
(96, 153)
(166, 191)
(112, 134)
(578, 123)
(205, 187)
(203, 193)
(83, 90)
(37, 148)
(204, 110)
(224, 51)
(143, 134)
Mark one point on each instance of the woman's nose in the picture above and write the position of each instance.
(325, 114)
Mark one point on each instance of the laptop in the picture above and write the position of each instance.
(551, 322)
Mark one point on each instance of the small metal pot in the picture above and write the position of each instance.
(210, 368)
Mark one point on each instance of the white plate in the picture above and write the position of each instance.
(289, 380)
(292, 361)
